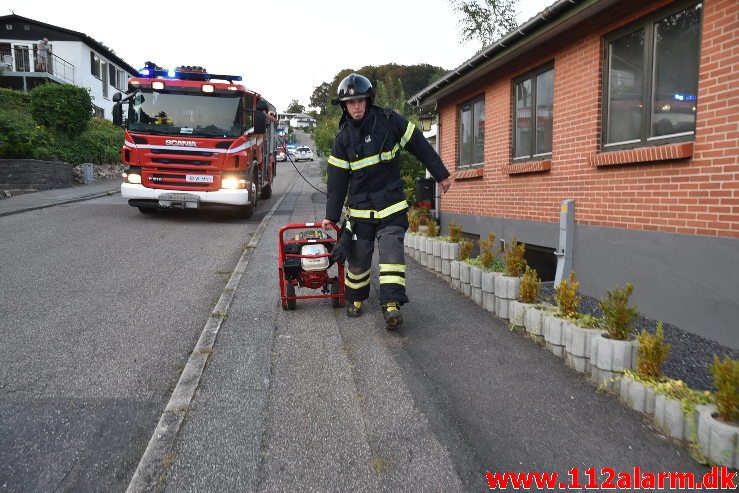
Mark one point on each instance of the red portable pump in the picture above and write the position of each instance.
(304, 261)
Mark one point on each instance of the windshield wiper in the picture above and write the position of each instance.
(152, 131)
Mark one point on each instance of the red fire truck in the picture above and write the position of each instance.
(195, 139)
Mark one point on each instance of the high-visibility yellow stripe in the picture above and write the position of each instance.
(392, 280)
(363, 163)
(407, 135)
(369, 214)
(356, 277)
(392, 268)
(339, 163)
(356, 285)
(388, 155)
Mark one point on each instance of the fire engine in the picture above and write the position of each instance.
(194, 139)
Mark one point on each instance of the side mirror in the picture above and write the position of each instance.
(260, 122)
(117, 114)
(262, 105)
(117, 97)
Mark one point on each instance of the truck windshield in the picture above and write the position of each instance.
(186, 114)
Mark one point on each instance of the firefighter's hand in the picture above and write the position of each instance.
(445, 184)
(327, 224)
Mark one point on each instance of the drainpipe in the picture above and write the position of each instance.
(437, 191)
(566, 240)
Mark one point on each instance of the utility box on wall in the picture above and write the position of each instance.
(425, 190)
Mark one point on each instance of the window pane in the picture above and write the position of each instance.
(675, 85)
(523, 119)
(544, 111)
(625, 98)
(465, 136)
(478, 151)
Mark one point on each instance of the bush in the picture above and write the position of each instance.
(566, 296)
(488, 251)
(618, 316)
(64, 108)
(455, 232)
(513, 258)
(726, 380)
(414, 221)
(465, 249)
(530, 286)
(100, 144)
(433, 229)
(652, 352)
(21, 138)
(14, 100)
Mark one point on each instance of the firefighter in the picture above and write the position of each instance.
(364, 170)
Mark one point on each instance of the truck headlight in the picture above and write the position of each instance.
(134, 178)
(233, 182)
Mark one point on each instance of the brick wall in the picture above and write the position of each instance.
(688, 189)
(33, 174)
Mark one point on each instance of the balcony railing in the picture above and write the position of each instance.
(21, 59)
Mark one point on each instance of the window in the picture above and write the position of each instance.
(95, 65)
(650, 97)
(104, 74)
(533, 115)
(472, 133)
(118, 78)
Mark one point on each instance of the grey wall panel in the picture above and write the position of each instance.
(691, 282)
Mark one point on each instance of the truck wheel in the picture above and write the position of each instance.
(266, 192)
(290, 289)
(147, 210)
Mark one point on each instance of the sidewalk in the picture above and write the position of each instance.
(48, 198)
(309, 400)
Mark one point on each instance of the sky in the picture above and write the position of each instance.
(282, 49)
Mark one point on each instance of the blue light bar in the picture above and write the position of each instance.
(171, 73)
(145, 72)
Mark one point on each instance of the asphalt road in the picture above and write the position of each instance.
(101, 307)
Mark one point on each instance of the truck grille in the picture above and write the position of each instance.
(182, 158)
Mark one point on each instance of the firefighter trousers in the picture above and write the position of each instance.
(389, 234)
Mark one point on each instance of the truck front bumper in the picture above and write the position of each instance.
(131, 191)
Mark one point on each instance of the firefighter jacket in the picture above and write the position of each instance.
(365, 164)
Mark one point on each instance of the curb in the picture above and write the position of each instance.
(53, 204)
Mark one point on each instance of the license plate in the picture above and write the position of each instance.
(199, 178)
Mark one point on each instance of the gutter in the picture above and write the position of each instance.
(545, 17)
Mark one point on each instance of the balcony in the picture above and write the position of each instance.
(22, 69)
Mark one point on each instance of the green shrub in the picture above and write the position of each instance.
(530, 286)
(100, 144)
(465, 249)
(651, 353)
(21, 138)
(64, 108)
(433, 229)
(726, 380)
(14, 100)
(566, 296)
(455, 232)
(414, 221)
(618, 316)
(513, 258)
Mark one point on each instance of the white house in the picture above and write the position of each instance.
(74, 58)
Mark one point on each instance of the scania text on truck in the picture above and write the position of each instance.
(194, 139)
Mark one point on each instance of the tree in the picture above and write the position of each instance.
(485, 20)
(321, 96)
(295, 107)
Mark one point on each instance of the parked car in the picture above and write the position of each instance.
(281, 154)
(303, 153)
(291, 149)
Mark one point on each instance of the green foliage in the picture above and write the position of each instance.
(100, 144)
(530, 286)
(566, 296)
(726, 380)
(14, 100)
(22, 138)
(618, 316)
(652, 352)
(433, 229)
(295, 107)
(485, 20)
(587, 321)
(414, 221)
(63, 108)
(513, 258)
(455, 232)
(465, 249)
(488, 251)
(321, 96)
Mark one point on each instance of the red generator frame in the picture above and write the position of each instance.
(292, 277)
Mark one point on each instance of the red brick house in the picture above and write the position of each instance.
(629, 108)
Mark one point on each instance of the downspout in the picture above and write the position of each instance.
(437, 193)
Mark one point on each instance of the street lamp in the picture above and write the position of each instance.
(426, 120)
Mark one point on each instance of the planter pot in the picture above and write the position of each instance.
(464, 272)
(717, 440)
(488, 301)
(477, 295)
(518, 312)
(502, 307)
(430, 260)
(437, 264)
(554, 334)
(507, 287)
(454, 271)
(467, 290)
(437, 255)
(609, 358)
(534, 322)
(454, 251)
(578, 347)
(475, 277)
(487, 282)
(637, 395)
(670, 419)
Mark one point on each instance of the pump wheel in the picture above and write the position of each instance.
(290, 292)
(335, 302)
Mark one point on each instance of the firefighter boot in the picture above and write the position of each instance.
(392, 315)
(354, 309)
